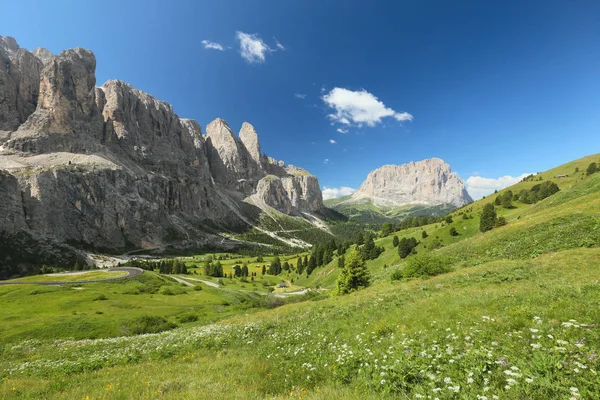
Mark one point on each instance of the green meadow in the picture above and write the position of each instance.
(516, 316)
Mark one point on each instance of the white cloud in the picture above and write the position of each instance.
(300, 95)
(478, 186)
(252, 47)
(326, 161)
(359, 107)
(279, 45)
(332, 193)
(340, 130)
(332, 141)
(212, 45)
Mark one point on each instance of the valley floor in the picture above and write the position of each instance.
(507, 328)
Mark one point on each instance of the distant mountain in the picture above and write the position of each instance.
(398, 191)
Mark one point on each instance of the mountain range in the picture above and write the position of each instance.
(110, 168)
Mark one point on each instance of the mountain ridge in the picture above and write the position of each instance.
(112, 167)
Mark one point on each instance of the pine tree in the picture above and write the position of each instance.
(386, 229)
(360, 239)
(264, 270)
(354, 275)
(488, 218)
(395, 241)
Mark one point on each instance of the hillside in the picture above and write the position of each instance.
(515, 317)
(367, 211)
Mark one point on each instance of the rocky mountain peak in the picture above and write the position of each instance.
(112, 166)
(44, 55)
(67, 93)
(429, 182)
(249, 138)
(9, 44)
(19, 84)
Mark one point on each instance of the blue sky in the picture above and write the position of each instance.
(497, 89)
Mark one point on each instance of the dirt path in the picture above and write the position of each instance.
(186, 283)
(208, 283)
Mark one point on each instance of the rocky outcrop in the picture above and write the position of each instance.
(12, 217)
(112, 167)
(19, 84)
(249, 139)
(429, 182)
(44, 55)
(67, 97)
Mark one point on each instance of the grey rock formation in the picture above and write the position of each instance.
(429, 182)
(44, 55)
(112, 167)
(11, 217)
(67, 98)
(19, 84)
(249, 139)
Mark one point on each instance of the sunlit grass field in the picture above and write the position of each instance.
(71, 277)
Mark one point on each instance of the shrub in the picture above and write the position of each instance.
(425, 265)
(592, 168)
(148, 324)
(436, 244)
(397, 275)
(453, 232)
(100, 297)
(187, 317)
(501, 221)
(197, 288)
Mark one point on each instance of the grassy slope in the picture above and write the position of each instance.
(482, 316)
(531, 229)
(389, 319)
(43, 312)
(87, 276)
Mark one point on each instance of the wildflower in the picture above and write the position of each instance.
(447, 380)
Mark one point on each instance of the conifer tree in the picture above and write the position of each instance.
(354, 275)
(488, 218)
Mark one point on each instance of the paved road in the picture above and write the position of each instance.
(131, 272)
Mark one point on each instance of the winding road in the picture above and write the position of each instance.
(131, 273)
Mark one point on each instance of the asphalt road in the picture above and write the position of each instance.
(131, 273)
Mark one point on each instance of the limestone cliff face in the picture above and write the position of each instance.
(19, 84)
(11, 218)
(113, 167)
(429, 182)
